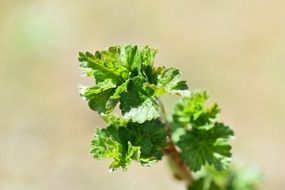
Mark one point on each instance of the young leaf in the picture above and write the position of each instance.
(206, 146)
(148, 110)
(127, 75)
(201, 139)
(133, 81)
(138, 102)
(105, 146)
(192, 111)
(170, 81)
(126, 141)
(98, 96)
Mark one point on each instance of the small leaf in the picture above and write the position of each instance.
(138, 103)
(124, 142)
(192, 111)
(98, 96)
(211, 146)
(148, 110)
(170, 80)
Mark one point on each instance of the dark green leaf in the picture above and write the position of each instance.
(98, 96)
(138, 103)
(125, 142)
(117, 65)
(206, 146)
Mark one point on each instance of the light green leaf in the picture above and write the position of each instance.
(98, 96)
(105, 146)
(193, 111)
(116, 65)
(208, 178)
(148, 110)
(138, 102)
(170, 81)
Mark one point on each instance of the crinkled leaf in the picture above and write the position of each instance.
(111, 119)
(150, 137)
(116, 65)
(134, 95)
(100, 102)
(105, 146)
(130, 141)
(170, 81)
(120, 89)
(206, 146)
(87, 92)
(138, 103)
(135, 81)
(105, 64)
(148, 110)
(193, 111)
(98, 96)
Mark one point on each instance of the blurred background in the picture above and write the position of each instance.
(233, 48)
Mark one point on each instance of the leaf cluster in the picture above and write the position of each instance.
(125, 141)
(125, 77)
(201, 138)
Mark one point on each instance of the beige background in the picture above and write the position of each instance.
(235, 49)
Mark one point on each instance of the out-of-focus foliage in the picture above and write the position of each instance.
(231, 179)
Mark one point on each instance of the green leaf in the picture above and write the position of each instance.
(206, 146)
(192, 111)
(151, 138)
(208, 178)
(148, 110)
(201, 139)
(115, 120)
(117, 65)
(124, 142)
(204, 184)
(104, 146)
(105, 65)
(135, 81)
(138, 102)
(170, 81)
(119, 90)
(87, 92)
(248, 178)
(98, 96)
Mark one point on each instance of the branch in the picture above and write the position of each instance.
(179, 168)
